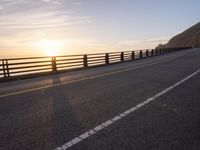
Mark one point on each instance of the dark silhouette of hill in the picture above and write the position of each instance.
(188, 38)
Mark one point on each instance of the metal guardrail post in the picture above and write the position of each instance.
(122, 56)
(156, 51)
(4, 70)
(53, 63)
(152, 52)
(7, 69)
(107, 58)
(140, 54)
(147, 53)
(85, 61)
(133, 55)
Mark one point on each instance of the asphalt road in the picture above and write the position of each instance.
(45, 113)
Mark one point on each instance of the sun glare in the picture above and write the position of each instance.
(51, 52)
(50, 47)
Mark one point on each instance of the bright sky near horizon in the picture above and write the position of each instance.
(57, 27)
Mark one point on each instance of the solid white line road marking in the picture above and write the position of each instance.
(120, 116)
(90, 77)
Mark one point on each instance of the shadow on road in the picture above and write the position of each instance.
(65, 125)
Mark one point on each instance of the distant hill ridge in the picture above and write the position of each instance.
(188, 38)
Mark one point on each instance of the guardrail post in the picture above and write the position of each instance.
(53, 63)
(7, 68)
(147, 53)
(152, 52)
(156, 51)
(133, 55)
(85, 61)
(122, 56)
(140, 54)
(4, 70)
(107, 58)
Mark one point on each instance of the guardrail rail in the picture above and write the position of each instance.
(15, 68)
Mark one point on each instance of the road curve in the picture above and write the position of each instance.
(162, 92)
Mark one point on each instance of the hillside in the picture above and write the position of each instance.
(188, 38)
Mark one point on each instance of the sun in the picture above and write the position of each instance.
(51, 52)
(50, 47)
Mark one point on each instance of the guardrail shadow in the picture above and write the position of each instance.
(65, 124)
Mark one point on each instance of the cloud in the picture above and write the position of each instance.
(57, 2)
(38, 14)
(141, 44)
(77, 3)
(43, 20)
(14, 2)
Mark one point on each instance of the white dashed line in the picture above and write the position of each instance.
(121, 115)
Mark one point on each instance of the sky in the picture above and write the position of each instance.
(62, 27)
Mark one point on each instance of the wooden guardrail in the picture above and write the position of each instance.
(32, 66)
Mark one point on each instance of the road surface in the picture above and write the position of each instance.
(148, 104)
